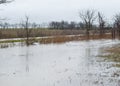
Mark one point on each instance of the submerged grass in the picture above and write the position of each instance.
(58, 39)
(113, 55)
(116, 65)
(12, 41)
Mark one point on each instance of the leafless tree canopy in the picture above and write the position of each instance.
(117, 20)
(88, 17)
(26, 26)
(101, 23)
(117, 23)
(101, 20)
(5, 1)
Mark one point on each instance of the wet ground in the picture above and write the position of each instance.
(66, 64)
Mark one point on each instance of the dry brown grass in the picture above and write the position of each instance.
(112, 54)
(20, 33)
(62, 39)
(58, 36)
(58, 39)
(115, 49)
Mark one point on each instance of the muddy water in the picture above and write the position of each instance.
(67, 64)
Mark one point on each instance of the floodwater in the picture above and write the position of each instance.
(67, 64)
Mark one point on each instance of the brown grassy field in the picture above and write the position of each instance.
(20, 33)
(115, 49)
(113, 54)
(62, 39)
(52, 36)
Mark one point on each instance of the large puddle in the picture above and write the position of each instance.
(67, 64)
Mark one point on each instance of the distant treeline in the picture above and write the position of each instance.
(66, 25)
(6, 25)
(61, 25)
(52, 25)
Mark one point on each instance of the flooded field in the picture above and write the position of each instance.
(66, 64)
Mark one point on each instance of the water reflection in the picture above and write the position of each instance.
(10, 45)
(27, 59)
(20, 44)
(6, 45)
(88, 55)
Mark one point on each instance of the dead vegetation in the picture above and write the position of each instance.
(113, 54)
(20, 33)
(52, 36)
(115, 49)
(62, 39)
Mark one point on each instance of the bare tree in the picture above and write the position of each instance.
(54, 25)
(34, 25)
(101, 22)
(27, 29)
(26, 25)
(117, 23)
(72, 25)
(88, 17)
(5, 1)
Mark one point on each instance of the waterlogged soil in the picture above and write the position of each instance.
(66, 64)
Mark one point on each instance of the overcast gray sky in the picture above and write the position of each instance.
(56, 10)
